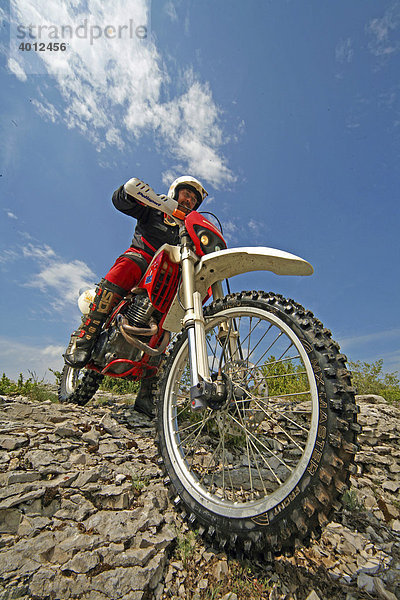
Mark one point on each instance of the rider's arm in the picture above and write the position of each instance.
(129, 206)
(136, 199)
(143, 193)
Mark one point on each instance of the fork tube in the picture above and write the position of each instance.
(193, 320)
(194, 372)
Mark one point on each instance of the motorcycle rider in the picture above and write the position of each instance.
(153, 229)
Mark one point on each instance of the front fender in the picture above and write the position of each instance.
(235, 261)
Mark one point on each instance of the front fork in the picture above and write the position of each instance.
(201, 384)
(203, 389)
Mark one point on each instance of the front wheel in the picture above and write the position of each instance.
(265, 465)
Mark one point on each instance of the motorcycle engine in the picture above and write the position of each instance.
(139, 311)
(111, 344)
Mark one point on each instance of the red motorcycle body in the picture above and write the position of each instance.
(160, 282)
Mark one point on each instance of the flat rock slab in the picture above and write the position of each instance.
(84, 514)
(74, 520)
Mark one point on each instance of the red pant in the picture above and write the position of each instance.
(126, 272)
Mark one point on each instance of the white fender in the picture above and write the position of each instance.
(235, 261)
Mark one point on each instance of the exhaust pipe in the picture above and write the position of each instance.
(128, 330)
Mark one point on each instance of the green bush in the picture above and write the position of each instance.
(369, 379)
(8, 387)
(351, 501)
(119, 386)
(110, 384)
(283, 377)
(31, 388)
(185, 547)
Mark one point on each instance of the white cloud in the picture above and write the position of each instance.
(370, 337)
(170, 10)
(10, 214)
(352, 123)
(208, 202)
(8, 255)
(118, 89)
(46, 110)
(169, 176)
(391, 362)
(34, 359)
(383, 34)
(65, 279)
(254, 225)
(344, 51)
(370, 347)
(40, 253)
(16, 68)
(191, 124)
(114, 139)
(230, 230)
(60, 280)
(230, 227)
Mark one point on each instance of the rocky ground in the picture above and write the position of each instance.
(84, 514)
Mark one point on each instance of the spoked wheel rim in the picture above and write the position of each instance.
(73, 377)
(246, 456)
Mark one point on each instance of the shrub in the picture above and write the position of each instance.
(32, 388)
(369, 379)
(119, 386)
(110, 384)
(351, 501)
(283, 377)
(185, 547)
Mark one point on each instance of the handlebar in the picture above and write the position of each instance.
(146, 195)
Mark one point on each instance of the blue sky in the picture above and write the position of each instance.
(287, 111)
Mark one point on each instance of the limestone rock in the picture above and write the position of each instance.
(382, 592)
(84, 514)
(313, 596)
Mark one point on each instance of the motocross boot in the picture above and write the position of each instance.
(83, 339)
(144, 402)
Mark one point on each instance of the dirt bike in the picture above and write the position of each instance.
(256, 416)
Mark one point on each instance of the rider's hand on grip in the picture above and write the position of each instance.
(146, 195)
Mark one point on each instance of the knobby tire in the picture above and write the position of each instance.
(266, 469)
(78, 386)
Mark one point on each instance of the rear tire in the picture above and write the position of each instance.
(78, 386)
(266, 467)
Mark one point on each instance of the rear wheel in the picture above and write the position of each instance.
(78, 386)
(266, 464)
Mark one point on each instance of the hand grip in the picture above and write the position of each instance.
(146, 195)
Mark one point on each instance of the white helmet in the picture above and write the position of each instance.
(191, 182)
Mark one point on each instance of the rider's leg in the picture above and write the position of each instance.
(121, 278)
(83, 339)
(144, 402)
(123, 275)
(144, 399)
